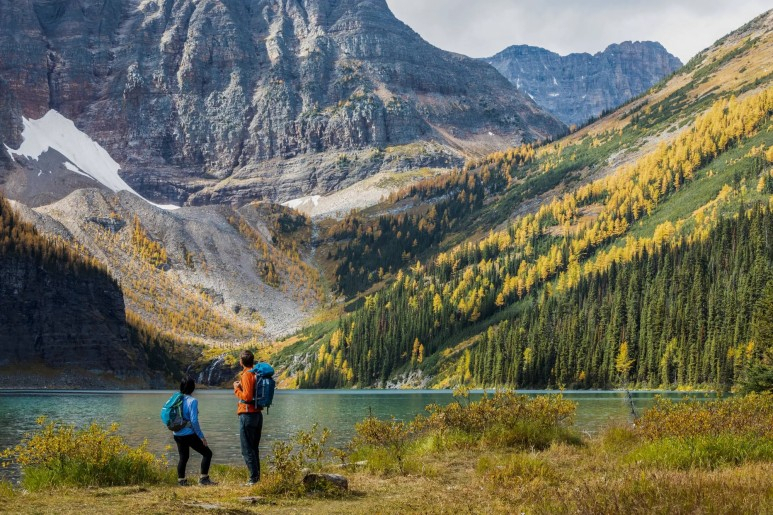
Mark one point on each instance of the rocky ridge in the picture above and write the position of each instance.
(62, 320)
(579, 87)
(215, 101)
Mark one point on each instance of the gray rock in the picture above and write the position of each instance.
(11, 126)
(320, 481)
(205, 101)
(222, 260)
(578, 87)
(217, 373)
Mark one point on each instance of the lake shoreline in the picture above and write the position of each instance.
(663, 464)
(199, 389)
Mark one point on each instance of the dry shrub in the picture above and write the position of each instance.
(506, 419)
(748, 415)
(61, 455)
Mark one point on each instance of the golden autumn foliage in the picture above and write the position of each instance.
(145, 247)
(20, 238)
(62, 455)
(564, 240)
(744, 415)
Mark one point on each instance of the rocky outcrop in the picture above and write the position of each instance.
(55, 318)
(11, 126)
(224, 100)
(217, 372)
(578, 87)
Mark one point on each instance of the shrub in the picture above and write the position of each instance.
(383, 443)
(448, 439)
(284, 476)
(289, 460)
(506, 420)
(748, 415)
(61, 455)
(705, 434)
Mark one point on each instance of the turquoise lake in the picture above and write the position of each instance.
(293, 410)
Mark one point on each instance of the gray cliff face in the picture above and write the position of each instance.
(578, 87)
(53, 317)
(225, 100)
(11, 128)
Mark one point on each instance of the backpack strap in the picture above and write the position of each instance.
(182, 412)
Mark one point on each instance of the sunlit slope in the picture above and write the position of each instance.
(208, 275)
(734, 65)
(435, 214)
(662, 170)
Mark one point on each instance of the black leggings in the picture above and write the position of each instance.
(184, 446)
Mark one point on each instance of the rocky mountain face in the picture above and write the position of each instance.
(224, 100)
(11, 128)
(578, 87)
(54, 318)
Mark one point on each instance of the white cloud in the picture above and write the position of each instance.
(482, 28)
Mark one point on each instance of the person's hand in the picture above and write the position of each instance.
(204, 440)
(237, 385)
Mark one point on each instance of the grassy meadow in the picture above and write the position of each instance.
(504, 454)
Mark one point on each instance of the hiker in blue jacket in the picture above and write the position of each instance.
(191, 436)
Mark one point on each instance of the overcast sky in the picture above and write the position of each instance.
(481, 28)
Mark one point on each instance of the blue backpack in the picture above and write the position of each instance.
(264, 386)
(172, 413)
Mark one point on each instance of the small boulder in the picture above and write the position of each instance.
(319, 481)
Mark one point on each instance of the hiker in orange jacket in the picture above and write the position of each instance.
(250, 417)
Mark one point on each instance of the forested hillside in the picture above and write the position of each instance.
(690, 312)
(654, 178)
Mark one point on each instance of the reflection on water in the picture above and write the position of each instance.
(293, 410)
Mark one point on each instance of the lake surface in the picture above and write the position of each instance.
(293, 410)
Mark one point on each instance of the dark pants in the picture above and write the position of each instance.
(184, 446)
(250, 427)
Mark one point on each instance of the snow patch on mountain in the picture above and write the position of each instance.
(299, 203)
(84, 155)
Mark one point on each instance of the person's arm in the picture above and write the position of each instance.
(195, 420)
(238, 385)
(242, 388)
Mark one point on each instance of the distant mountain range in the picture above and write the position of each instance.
(578, 87)
(205, 101)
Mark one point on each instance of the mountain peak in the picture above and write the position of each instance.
(580, 86)
(227, 101)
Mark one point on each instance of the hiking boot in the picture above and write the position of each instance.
(182, 482)
(250, 483)
(205, 481)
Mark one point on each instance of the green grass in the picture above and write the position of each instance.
(624, 470)
(516, 468)
(117, 472)
(705, 452)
